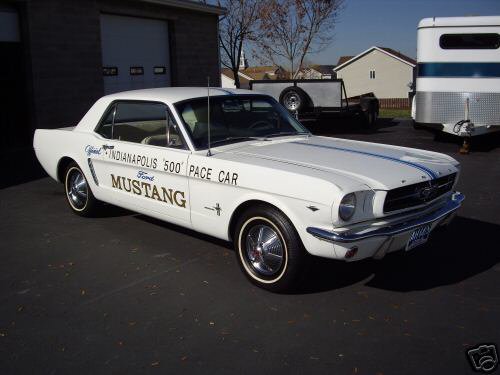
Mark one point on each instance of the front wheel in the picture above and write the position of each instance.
(78, 193)
(268, 249)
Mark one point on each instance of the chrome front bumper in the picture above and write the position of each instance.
(451, 205)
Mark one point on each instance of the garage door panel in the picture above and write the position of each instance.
(134, 42)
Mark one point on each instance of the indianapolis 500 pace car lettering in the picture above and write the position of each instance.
(263, 181)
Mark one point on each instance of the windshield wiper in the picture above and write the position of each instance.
(286, 133)
(231, 139)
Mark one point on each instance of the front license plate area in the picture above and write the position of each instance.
(419, 236)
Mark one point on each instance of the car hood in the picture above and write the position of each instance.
(381, 167)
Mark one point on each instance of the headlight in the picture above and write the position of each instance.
(347, 207)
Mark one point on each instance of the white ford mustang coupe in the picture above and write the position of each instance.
(237, 166)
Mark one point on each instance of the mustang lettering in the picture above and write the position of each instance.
(149, 190)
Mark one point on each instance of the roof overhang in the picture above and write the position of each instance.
(189, 4)
(459, 21)
(368, 51)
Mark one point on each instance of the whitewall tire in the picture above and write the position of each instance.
(268, 249)
(78, 193)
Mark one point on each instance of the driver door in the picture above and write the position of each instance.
(143, 158)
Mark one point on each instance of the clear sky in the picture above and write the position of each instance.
(392, 23)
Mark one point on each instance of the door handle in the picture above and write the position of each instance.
(108, 147)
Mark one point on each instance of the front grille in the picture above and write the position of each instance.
(417, 194)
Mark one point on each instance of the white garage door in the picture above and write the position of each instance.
(135, 53)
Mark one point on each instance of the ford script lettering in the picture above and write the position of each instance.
(91, 150)
(145, 176)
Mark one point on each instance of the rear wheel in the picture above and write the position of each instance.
(78, 193)
(268, 249)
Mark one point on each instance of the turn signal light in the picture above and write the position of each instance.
(351, 252)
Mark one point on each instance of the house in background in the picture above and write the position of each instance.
(227, 79)
(266, 72)
(343, 59)
(317, 72)
(252, 73)
(389, 74)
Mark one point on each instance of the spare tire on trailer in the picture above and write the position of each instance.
(294, 99)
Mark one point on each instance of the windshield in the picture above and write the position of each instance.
(236, 118)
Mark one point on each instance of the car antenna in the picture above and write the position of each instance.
(209, 153)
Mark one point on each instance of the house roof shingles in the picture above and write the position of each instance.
(346, 60)
(323, 69)
(343, 59)
(399, 54)
(244, 83)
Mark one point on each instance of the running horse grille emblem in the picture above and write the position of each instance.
(428, 192)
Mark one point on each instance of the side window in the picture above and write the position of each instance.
(141, 122)
(105, 129)
(470, 41)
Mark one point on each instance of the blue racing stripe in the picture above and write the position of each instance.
(422, 168)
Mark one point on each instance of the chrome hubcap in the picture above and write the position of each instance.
(292, 101)
(77, 189)
(264, 250)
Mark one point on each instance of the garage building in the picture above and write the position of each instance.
(58, 56)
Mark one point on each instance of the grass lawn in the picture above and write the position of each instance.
(392, 113)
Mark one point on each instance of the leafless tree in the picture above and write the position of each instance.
(236, 26)
(289, 30)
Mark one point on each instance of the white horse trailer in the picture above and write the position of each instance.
(458, 79)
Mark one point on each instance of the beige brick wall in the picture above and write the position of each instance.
(391, 76)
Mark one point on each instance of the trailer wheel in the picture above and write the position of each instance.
(370, 111)
(369, 118)
(294, 99)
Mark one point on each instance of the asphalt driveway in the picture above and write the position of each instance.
(124, 293)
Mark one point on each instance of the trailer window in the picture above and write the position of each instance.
(470, 41)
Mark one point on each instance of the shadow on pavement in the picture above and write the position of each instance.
(454, 254)
(480, 143)
(186, 231)
(19, 167)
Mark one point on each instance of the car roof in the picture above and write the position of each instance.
(173, 94)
